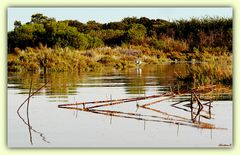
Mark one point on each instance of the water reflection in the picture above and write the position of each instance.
(117, 91)
(134, 81)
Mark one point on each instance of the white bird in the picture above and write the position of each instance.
(138, 61)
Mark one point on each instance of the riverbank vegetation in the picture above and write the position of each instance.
(44, 44)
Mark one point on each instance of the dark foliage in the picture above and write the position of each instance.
(159, 34)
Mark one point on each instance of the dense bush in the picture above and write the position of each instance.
(178, 36)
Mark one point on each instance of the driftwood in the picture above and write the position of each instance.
(117, 101)
(167, 114)
(166, 117)
(154, 102)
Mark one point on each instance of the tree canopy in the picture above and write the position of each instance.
(156, 33)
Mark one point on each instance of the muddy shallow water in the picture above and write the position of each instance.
(162, 124)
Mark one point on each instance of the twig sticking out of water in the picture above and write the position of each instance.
(28, 123)
(31, 96)
(200, 106)
(208, 112)
(28, 120)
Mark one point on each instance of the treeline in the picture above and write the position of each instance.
(184, 36)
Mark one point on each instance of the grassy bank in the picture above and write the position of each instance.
(217, 74)
(203, 68)
(65, 59)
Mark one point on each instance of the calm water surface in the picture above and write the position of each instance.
(121, 125)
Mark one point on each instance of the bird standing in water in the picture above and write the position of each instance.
(138, 61)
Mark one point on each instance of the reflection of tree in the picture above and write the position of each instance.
(22, 80)
(59, 84)
(62, 83)
(135, 83)
(155, 75)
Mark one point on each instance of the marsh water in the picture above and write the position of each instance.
(43, 124)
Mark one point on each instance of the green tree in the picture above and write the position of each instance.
(80, 26)
(26, 35)
(136, 34)
(130, 20)
(93, 25)
(38, 18)
(116, 26)
(17, 24)
(109, 37)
